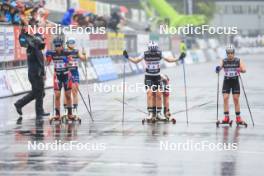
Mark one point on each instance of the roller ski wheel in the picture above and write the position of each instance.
(218, 123)
(242, 123)
(153, 120)
(72, 119)
(173, 120)
(55, 119)
(169, 118)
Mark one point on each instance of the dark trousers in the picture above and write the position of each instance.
(37, 93)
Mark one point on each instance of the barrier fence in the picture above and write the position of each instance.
(105, 56)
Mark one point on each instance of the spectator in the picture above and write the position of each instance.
(67, 17)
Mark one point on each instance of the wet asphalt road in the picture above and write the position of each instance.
(135, 149)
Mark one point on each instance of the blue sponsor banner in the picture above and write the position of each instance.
(104, 68)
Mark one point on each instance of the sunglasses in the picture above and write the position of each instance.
(229, 53)
(57, 46)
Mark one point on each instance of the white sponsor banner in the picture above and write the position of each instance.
(134, 67)
(14, 82)
(81, 72)
(4, 85)
(92, 71)
(9, 44)
(56, 5)
(74, 4)
(49, 78)
(22, 74)
(119, 67)
(141, 66)
(142, 42)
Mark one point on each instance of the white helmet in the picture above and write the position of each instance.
(70, 41)
(230, 49)
(153, 46)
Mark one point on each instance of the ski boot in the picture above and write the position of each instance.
(19, 120)
(168, 116)
(151, 118)
(226, 120)
(162, 118)
(55, 118)
(239, 121)
(64, 117)
(72, 118)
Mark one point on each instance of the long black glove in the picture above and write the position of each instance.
(125, 54)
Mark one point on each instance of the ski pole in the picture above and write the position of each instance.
(124, 79)
(217, 99)
(252, 120)
(86, 77)
(185, 92)
(89, 112)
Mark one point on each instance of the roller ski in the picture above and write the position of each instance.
(72, 119)
(150, 119)
(169, 118)
(56, 119)
(240, 122)
(224, 122)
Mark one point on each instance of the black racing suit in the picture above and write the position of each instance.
(36, 73)
(231, 80)
(152, 72)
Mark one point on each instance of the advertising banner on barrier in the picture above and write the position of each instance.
(131, 43)
(88, 5)
(14, 82)
(6, 43)
(56, 5)
(82, 41)
(2, 44)
(142, 42)
(4, 86)
(98, 45)
(22, 75)
(103, 9)
(104, 68)
(115, 43)
(134, 67)
(49, 78)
